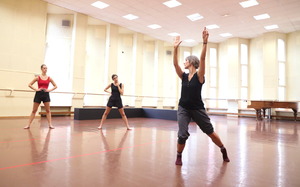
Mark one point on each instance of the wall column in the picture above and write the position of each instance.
(270, 69)
(111, 51)
(79, 54)
(159, 57)
(138, 41)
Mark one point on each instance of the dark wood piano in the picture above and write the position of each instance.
(261, 106)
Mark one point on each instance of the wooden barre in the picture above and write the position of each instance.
(44, 113)
(227, 113)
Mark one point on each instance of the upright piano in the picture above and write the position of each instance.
(261, 106)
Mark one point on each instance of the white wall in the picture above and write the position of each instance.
(293, 66)
(95, 60)
(256, 67)
(22, 36)
(144, 67)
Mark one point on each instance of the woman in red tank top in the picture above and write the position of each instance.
(42, 94)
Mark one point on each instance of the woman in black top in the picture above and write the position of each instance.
(191, 105)
(117, 90)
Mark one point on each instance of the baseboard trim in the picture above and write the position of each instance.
(10, 117)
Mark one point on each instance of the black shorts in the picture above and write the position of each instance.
(41, 96)
(117, 102)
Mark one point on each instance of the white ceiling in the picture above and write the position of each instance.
(239, 22)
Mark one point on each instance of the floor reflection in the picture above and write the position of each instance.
(216, 180)
(265, 130)
(111, 160)
(263, 153)
(179, 176)
(37, 155)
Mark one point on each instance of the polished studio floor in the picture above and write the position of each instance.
(76, 153)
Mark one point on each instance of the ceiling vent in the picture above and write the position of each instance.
(168, 52)
(66, 23)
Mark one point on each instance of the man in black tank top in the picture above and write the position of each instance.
(191, 105)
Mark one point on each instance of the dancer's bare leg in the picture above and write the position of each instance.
(48, 114)
(180, 148)
(216, 139)
(124, 118)
(32, 115)
(104, 116)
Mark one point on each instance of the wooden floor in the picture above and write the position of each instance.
(76, 153)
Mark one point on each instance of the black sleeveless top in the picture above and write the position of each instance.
(115, 94)
(191, 93)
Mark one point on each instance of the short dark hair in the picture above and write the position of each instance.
(113, 75)
(193, 60)
(43, 66)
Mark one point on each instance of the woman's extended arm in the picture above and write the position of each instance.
(179, 71)
(106, 89)
(54, 85)
(201, 71)
(121, 88)
(30, 85)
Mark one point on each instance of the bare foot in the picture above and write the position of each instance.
(51, 127)
(99, 127)
(27, 127)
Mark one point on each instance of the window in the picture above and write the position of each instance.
(58, 58)
(244, 75)
(213, 67)
(185, 54)
(281, 50)
(281, 93)
(281, 68)
(281, 73)
(213, 76)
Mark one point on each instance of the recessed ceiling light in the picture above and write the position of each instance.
(214, 26)
(225, 34)
(172, 3)
(130, 17)
(249, 3)
(154, 26)
(270, 27)
(174, 34)
(189, 40)
(99, 4)
(262, 16)
(194, 17)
